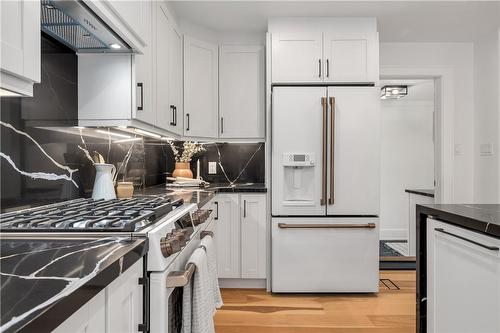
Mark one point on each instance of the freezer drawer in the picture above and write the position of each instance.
(325, 254)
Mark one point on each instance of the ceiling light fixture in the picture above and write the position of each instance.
(146, 133)
(393, 92)
(114, 134)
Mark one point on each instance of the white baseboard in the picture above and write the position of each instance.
(393, 234)
(243, 283)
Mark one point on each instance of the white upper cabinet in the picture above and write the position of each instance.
(200, 88)
(145, 109)
(297, 57)
(241, 92)
(20, 45)
(175, 80)
(163, 111)
(330, 50)
(350, 57)
(130, 19)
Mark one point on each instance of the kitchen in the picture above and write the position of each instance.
(155, 153)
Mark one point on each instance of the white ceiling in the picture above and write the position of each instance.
(398, 21)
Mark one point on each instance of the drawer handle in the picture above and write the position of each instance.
(326, 226)
(491, 248)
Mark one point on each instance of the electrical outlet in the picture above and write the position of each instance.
(212, 168)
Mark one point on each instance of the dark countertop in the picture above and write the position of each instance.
(478, 217)
(203, 195)
(46, 279)
(424, 192)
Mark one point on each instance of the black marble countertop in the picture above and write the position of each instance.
(424, 192)
(200, 196)
(238, 188)
(484, 218)
(46, 279)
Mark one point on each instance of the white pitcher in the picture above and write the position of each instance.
(103, 183)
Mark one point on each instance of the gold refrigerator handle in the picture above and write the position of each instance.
(324, 166)
(331, 199)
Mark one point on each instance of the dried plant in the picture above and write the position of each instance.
(189, 149)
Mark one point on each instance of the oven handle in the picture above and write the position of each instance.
(180, 278)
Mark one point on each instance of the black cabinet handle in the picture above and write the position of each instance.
(488, 247)
(319, 71)
(141, 86)
(327, 68)
(244, 208)
(175, 115)
(172, 108)
(222, 125)
(187, 118)
(216, 210)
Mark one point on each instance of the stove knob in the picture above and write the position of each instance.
(169, 246)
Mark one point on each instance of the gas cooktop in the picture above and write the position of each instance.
(128, 215)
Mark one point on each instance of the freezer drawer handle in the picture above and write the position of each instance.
(491, 248)
(326, 226)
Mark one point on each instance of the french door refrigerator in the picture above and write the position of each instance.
(325, 189)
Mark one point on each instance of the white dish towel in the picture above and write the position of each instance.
(208, 243)
(198, 298)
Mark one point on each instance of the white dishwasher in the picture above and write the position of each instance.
(325, 254)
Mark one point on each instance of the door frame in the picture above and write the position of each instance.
(444, 108)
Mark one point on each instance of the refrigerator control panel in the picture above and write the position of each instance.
(298, 159)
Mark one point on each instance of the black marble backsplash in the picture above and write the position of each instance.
(50, 118)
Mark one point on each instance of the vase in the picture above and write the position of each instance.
(182, 169)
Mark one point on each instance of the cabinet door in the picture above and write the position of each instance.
(463, 280)
(253, 235)
(297, 57)
(241, 95)
(145, 110)
(134, 15)
(20, 45)
(175, 80)
(227, 238)
(354, 139)
(124, 301)
(90, 318)
(350, 57)
(163, 111)
(200, 88)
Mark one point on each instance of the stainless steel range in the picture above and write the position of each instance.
(174, 230)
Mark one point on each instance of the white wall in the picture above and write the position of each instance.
(486, 118)
(407, 154)
(458, 57)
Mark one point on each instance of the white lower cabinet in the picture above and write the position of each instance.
(90, 318)
(116, 309)
(240, 223)
(463, 280)
(124, 301)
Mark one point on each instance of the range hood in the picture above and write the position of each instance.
(72, 23)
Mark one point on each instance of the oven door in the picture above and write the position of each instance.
(166, 303)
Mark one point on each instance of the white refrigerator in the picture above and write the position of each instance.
(325, 188)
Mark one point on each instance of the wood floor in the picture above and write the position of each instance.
(256, 311)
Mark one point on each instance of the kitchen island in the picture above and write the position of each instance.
(458, 263)
(44, 280)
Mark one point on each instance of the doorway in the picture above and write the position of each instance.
(407, 166)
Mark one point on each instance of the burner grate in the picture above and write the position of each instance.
(89, 215)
